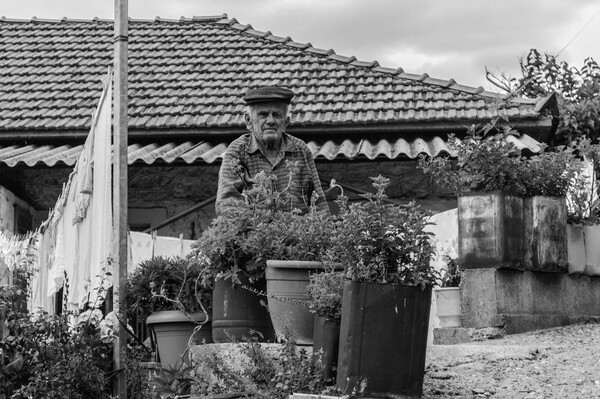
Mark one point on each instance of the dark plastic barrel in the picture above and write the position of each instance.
(383, 339)
(240, 314)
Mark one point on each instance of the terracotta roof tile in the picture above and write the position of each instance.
(192, 72)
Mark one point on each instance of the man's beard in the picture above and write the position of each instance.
(272, 143)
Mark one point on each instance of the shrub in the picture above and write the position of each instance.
(382, 242)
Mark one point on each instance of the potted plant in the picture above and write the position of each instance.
(167, 293)
(511, 208)
(386, 253)
(325, 292)
(229, 254)
(447, 296)
(292, 246)
(583, 228)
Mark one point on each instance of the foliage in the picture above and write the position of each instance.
(262, 227)
(59, 356)
(488, 162)
(550, 173)
(264, 373)
(293, 235)
(382, 242)
(578, 89)
(583, 202)
(451, 276)
(325, 292)
(164, 283)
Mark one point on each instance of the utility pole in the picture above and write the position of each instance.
(120, 190)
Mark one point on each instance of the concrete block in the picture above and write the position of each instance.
(520, 301)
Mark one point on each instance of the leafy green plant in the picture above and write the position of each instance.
(486, 160)
(383, 242)
(263, 227)
(325, 292)
(583, 202)
(293, 235)
(451, 276)
(482, 163)
(264, 372)
(59, 359)
(164, 283)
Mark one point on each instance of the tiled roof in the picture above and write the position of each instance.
(192, 151)
(190, 74)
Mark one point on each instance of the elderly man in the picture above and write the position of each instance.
(267, 148)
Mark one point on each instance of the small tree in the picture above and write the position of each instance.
(578, 89)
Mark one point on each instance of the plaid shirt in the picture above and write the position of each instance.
(246, 150)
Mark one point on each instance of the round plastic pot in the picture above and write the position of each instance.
(172, 330)
(448, 306)
(575, 248)
(325, 345)
(238, 313)
(592, 250)
(383, 339)
(288, 300)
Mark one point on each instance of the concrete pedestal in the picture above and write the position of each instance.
(520, 301)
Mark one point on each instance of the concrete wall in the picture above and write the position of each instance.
(524, 301)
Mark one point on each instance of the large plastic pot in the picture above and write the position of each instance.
(286, 286)
(592, 250)
(576, 248)
(383, 339)
(240, 314)
(172, 330)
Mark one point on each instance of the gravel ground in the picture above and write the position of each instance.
(561, 362)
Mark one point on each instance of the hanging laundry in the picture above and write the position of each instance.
(77, 246)
(100, 267)
(143, 246)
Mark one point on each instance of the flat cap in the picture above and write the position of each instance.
(268, 94)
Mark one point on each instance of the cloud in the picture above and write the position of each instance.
(444, 38)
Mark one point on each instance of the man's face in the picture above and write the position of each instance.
(267, 122)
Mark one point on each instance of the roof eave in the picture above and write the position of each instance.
(541, 126)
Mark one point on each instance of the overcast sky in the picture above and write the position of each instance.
(444, 38)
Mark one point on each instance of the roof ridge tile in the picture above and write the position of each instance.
(319, 51)
(255, 32)
(342, 58)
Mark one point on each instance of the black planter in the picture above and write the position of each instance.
(238, 313)
(325, 345)
(383, 339)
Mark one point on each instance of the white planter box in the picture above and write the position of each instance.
(448, 308)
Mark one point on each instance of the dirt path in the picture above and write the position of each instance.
(556, 363)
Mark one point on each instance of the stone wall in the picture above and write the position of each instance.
(172, 189)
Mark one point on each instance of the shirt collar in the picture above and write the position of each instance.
(287, 144)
